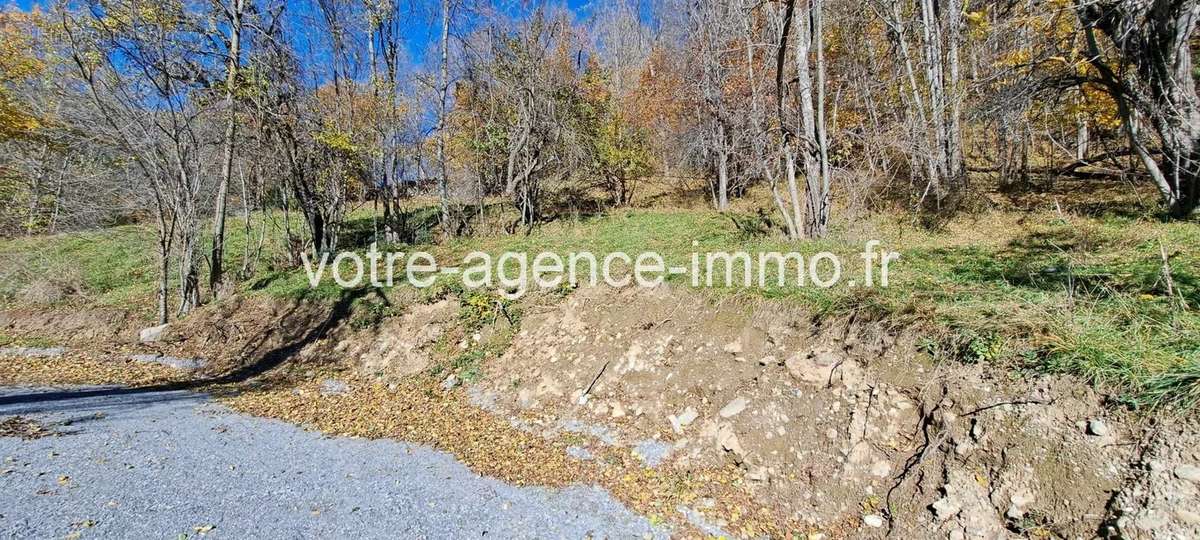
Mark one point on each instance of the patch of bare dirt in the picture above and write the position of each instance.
(844, 427)
(403, 345)
(68, 324)
(1162, 497)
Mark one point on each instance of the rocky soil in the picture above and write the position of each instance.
(841, 423)
(836, 428)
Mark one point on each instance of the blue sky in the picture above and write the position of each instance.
(420, 31)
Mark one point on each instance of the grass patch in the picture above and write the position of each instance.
(1036, 290)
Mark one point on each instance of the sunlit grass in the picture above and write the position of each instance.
(1039, 290)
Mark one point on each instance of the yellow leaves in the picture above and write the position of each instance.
(1015, 58)
(166, 15)
(18, 60)
(977, 22)
(337, 140)
(1096, 106)
(15, 123)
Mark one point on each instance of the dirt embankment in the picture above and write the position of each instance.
(845, 422)
(841, 427)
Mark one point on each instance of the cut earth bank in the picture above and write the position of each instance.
(721, 416)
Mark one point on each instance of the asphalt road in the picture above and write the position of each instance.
(167, 464)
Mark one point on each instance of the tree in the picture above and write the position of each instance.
(145, 68)
(526, 87)
(619, 152)
(933, 95)
(1146, 65)
(233, 14)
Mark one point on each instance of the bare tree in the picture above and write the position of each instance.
(442, 90)
(232, 13)
(143, 76)
(933, 95)
(806, 137)
(1147, 68)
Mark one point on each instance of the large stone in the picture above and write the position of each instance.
(1097, 427)
(152, 334)
(728, 440)
(946, 508)
(684, 419)
(173, 362)
(1191, 473)
(816, 369)
(733, 408)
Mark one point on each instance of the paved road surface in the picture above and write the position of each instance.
(166, 464)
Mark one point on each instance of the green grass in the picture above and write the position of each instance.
(110, 267)
(1036, 291)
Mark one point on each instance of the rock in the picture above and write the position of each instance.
(873, 521)
(1191, 473)
(617, 410)
(976, 430)
(685, 418)
(152, 334)
(450, 383)
(1187, 516)
(728, 440)
(946, 508)
(859, 454)
(334, 387)
(170, 361)
(767, 361)
(758, 473)
(734, 407)
(816, 369)
(734, 348)
(1017, 503)
(1097, 427)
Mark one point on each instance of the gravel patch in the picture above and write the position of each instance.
(170, 361)
(33, 352)
(163, 464)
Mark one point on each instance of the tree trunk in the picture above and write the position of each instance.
(722, 169)
(1153, 37)
(443, 88)
(216, 267)
(813, 139)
